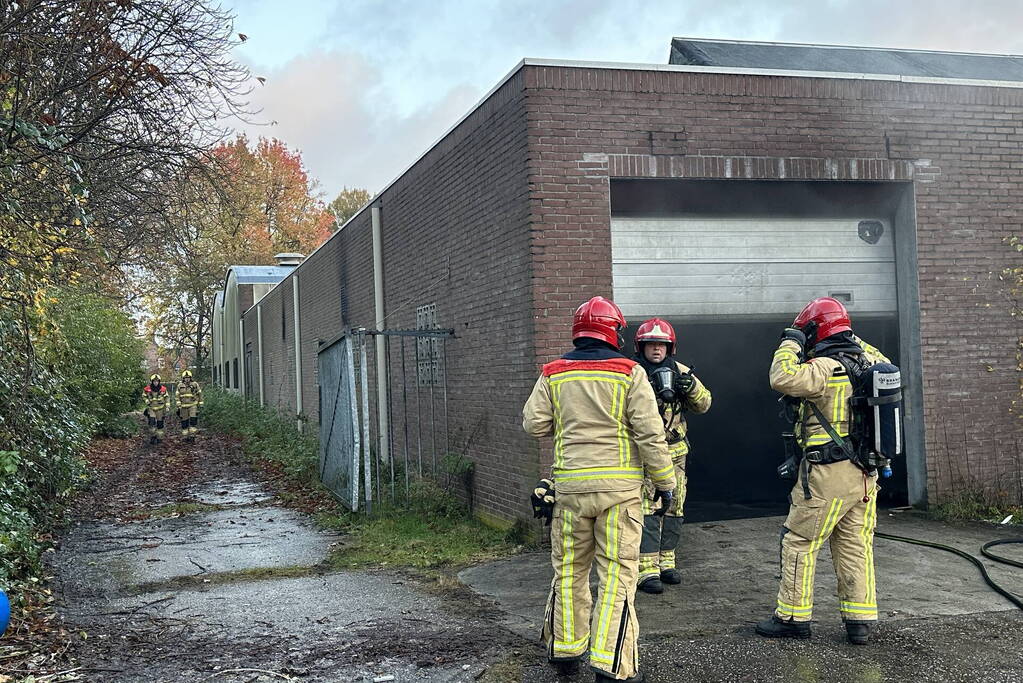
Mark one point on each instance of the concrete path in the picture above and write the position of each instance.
(240, 589)
(940, 621)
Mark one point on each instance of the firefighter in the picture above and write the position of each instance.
(189, 395)
(679, 391)
(601, 411)
(157, 405)
(835, 496)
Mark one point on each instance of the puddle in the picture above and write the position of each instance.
(225, 492)
(116, 558)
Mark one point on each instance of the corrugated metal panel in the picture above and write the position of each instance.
(701, 267)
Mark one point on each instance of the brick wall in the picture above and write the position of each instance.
(960, 145)
(455, 233)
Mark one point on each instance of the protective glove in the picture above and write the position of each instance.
(542, 500)
(665, 496)
(795, 335)
(684, 383)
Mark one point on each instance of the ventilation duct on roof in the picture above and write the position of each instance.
(289, 258)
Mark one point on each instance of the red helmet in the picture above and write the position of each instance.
(829, 316)
(656, 330)
(599, 318)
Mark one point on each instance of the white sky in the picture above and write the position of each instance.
(363, 87)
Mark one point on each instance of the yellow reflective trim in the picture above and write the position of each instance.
(866, 532)
(559, 428)
(617, 409)
(867, 605)
(611, 589)
(784, 358)
(575, 645)
(602, 656)
(789, 609)
(586, 375)
(858, 611)
(567, 562)
(811, 557)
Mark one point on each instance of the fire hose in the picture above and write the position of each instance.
(1014, 599)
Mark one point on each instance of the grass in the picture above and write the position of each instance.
(975, 506)
(434, 531)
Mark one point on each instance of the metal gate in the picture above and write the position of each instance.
(351, 464)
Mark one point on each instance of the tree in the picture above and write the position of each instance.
(102, 102)
(248, 203)
(346, 204)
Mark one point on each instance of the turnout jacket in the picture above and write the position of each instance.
(189, 395)
(697, 401)
(821, 380)
(604, 420)
(158, 400)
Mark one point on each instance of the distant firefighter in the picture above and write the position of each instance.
(189, 401)
(157, 404)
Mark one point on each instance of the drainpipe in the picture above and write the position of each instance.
(378, 297)
(259, 350)
(241, 357)
(298, 350)
(223, 375)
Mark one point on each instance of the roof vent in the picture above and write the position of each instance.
(288, 258)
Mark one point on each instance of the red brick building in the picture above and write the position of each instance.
(722, 197)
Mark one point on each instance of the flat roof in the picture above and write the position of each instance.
(260, 275)
(845, 58)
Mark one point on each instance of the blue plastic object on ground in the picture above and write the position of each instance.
(5, 612)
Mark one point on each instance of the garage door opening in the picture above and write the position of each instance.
(729, 264)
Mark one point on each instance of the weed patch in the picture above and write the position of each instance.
(976, 506)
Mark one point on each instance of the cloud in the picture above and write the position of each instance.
(328, 104)
(381, 86)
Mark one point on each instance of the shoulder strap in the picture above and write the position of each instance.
(842, 443)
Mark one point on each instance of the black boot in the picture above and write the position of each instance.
(782, 628)
(858, 632)
(152, 439)
(672, 576)
(566, 667)
(601, 677)
(651, 585)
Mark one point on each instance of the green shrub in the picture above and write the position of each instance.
(43, 434)
(265, 433)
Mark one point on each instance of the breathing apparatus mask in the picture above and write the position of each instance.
(663, 381)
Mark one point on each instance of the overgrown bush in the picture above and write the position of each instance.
(265, 432)
(42, 434)
(95, 346)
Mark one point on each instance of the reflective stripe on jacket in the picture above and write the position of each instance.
(823, 381)
(157, 401)
(189, 395)
(604, 420)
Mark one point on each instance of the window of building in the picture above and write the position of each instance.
(234, 374)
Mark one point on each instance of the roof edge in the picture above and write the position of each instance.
(746, 71)
(835, 46)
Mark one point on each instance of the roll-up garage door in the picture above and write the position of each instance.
(696, 267)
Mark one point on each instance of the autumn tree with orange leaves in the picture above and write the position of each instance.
(253, 200)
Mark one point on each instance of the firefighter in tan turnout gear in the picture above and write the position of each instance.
(601, 411)
(189, 396)
(835, 495)
(157, 402)
(677, 390)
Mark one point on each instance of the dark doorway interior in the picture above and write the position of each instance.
(737, 445)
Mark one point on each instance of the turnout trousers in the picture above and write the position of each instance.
(836, 513)
(661, 534)
(189, 417)
(156, 421)
(602, 527)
